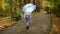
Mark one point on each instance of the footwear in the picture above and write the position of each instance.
(27, 27)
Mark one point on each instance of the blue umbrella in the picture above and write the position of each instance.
(29, 8)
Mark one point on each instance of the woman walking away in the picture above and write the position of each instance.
(27, 9)
(27, 17)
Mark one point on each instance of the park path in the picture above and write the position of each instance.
(40, 24)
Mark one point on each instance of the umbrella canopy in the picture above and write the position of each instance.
(29, 8)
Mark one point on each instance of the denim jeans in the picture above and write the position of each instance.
(27, 17)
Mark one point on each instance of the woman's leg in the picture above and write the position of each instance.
(27, 22)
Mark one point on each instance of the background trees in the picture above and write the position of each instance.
(54, 6)
(10, 5)
(56, 9)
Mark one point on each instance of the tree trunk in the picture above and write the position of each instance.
(19, 3)
(37, 5)
(24, 2)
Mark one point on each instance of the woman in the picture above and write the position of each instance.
(27, 17)
(27, 9)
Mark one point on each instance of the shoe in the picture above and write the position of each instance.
(27, 27)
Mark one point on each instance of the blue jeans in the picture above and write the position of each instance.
(27, 17)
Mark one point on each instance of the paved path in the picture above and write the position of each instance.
(40, 24)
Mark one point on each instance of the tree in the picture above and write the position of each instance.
(56, 9)
(37, 2)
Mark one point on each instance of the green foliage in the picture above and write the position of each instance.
(2, 12)
(56, 10)
(8, 1)
(7, 7)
